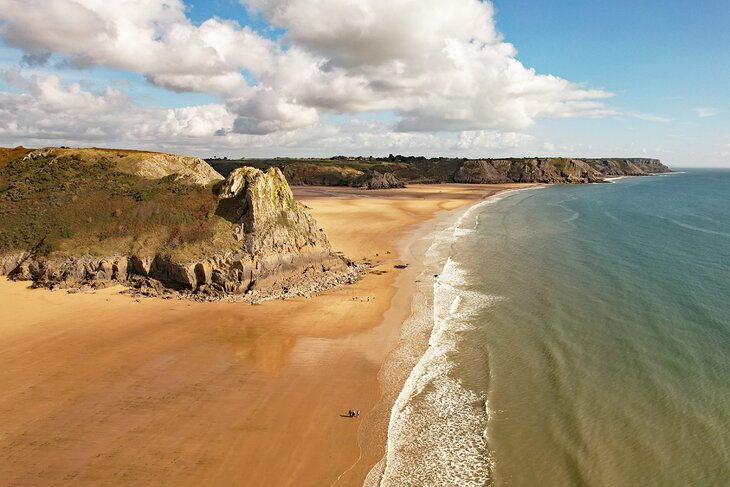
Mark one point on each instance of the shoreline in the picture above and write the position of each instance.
(374, 439)
(418, 328)
(103, 388)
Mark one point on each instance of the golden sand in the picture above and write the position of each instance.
(103, 389)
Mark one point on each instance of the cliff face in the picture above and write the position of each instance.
(443, 170)
(526, 171)
(627, 167)
(250, 240)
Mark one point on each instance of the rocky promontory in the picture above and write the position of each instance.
(168, 226)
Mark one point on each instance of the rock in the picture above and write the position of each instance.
(119, 269)
(377, 180)
(140, 265)
(204, 273)
(9, 262)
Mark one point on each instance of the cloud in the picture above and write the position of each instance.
(485, 139)
(50, 110)
(438, 65)
(153, 38)
(705, 112)
(34, 59)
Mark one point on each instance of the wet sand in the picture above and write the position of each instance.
(103, 389)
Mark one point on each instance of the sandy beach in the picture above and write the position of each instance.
(105, 389)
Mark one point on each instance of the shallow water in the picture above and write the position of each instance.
(581, 336)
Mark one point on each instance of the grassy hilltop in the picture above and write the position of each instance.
(94, 202)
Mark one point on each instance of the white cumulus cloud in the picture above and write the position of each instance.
(438, 66)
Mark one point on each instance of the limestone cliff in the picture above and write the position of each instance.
(526, 171)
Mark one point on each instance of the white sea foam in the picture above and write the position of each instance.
(437, 434)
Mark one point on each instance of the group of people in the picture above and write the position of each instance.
(353, 414)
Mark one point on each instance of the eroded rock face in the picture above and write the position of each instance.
(282, 252)
(479, 172)
(378, 180)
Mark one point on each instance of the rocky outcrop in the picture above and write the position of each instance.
(377, 180)
(280, 252)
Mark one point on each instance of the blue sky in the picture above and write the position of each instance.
(666, 65)
(667, 58)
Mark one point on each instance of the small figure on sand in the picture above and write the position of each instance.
(352, 413)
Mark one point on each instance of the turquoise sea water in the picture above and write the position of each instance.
(581, 337)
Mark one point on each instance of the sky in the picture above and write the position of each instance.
(462, 78)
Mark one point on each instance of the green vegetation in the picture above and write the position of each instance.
(76, 205)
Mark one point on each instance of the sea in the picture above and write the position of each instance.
(579, 336)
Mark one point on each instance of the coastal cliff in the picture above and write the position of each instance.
(396, 171)
(161, 224)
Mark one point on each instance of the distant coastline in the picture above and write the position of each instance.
(396, 171)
